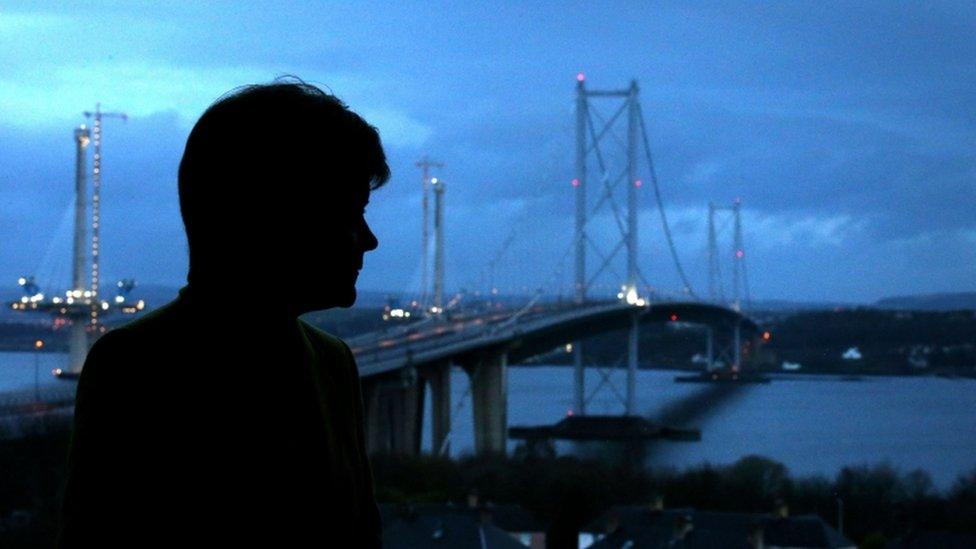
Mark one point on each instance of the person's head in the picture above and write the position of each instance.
(273, 186)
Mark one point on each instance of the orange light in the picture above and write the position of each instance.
(767, 336)
(38, 344)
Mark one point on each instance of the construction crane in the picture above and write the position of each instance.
(97, 115)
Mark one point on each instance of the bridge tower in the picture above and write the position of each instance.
(740, 282)
(425, 164)
(78, 338)
(589, 140)
(438, 186)
(81, 302)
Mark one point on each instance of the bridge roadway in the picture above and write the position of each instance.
(537, 330)
(396, 365)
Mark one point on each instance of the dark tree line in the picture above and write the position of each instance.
(878, 501)
(567, 492)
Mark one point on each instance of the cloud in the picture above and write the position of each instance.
(144, 89)
(847, 133)
(18, 24)
(772, 231)
(397, 128)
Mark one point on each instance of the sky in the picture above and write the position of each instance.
(846, 129)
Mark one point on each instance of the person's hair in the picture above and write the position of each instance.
(271, 148)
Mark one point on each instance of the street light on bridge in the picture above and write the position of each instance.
(629, 294)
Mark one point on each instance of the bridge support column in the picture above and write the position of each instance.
(394, 414)
(631, 404)
(373, 422)
(579, 379)
(489, 391)
(709, 348)
(439, 378)
(737, 336)
(77, 344)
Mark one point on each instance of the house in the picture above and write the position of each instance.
(933, 540)
(654, 527)
(485, 526)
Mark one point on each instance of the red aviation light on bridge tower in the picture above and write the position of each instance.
(580, 77)
(739, 254)
(575, 182)
(673, 317)
(638, 183)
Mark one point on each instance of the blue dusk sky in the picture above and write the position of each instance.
(847, 129)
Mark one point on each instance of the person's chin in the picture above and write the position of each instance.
(346, 297)
(343, 298)
(349, 298)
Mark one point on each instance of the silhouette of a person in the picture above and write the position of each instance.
(222, 418)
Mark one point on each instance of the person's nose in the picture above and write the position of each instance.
(368, 238)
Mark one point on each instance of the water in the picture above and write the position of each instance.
(17, 370)
(812, 424)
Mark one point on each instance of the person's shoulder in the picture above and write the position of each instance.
(114, 342)
(162, 319)
(324, 340)
(111, 354)
(103, 372)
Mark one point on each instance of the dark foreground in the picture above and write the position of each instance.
(563, 494)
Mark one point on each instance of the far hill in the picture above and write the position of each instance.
(930, 302)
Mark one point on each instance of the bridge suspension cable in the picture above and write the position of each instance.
(660, 205)
(609, 186)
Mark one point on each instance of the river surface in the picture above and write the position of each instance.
(812, 424)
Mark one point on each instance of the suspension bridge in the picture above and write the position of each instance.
(399, 367)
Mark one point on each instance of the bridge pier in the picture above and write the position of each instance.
(632, 339)
(489, 395)
(579, 379)
(737, 341)
(709, 348)
(394, 414)
(77, 345)
(439, 377)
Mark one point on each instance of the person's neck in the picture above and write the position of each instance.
(232, 295)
